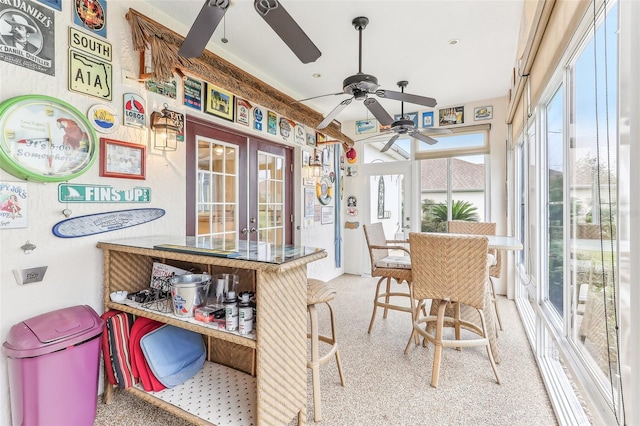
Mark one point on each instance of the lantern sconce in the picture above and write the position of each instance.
(165, 131)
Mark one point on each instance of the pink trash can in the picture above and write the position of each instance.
(54, 362)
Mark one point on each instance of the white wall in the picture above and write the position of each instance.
(74, 274)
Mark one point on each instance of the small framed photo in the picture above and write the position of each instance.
(309, 202)
(427, 119)
(449, 116)
(219, 102)
(366, 126)
(311, 138)
(483, 113)
(327, 215)
(122, 159)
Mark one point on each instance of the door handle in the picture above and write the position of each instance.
(253, 229)
(245, 231)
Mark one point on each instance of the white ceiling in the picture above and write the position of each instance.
(405, 40)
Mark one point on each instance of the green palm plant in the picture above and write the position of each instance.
(460, 210)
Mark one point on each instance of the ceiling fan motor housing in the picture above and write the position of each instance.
(360, 83)
(402, 126)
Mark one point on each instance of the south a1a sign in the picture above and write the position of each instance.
(89, 75)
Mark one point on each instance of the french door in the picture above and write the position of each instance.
(389, 199)
(238, 187)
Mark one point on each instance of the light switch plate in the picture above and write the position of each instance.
(31, 275)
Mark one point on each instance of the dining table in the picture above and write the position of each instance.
(496, 242)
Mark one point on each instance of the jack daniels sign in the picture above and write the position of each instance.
(27, 35)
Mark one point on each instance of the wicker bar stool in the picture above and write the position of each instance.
(320, 292)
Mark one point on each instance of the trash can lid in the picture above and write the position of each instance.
(52, 331)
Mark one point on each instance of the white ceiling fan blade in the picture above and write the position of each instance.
(332, 115)
(319, 96)
(390, 143)
(423, 137)
(374, 136)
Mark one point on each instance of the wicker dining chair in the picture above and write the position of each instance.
(388, 268)
(451, 270)
(482, 228)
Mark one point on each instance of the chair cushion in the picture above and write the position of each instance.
(319, 291)
(174, 354)
(398, 262)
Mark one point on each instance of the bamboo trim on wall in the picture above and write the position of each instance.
(164, 44)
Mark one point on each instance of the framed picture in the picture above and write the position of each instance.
(122, 159)
(366, 126)
(219, 102)
(309, 202)
(272, 123)
(483, 113)
(427, 119)
(449, 116)
(192, 93)
(311, 139)
(327, 215)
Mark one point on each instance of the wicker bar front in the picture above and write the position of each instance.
(277, 356)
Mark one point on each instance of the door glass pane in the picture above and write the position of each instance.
(203, 155)
(387, 199)
(555, 196)
(217, 191)
(271, 187)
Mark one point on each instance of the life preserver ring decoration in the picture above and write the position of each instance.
(324, 190)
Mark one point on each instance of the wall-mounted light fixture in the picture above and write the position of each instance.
(165, 131)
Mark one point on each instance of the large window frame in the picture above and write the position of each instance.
(549, 325)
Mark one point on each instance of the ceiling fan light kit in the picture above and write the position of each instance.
(405, 126)
(361, 85)
(273, 13)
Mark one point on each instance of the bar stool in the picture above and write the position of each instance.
(320, 292)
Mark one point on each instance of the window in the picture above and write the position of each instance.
(452, 188)
(566, 217)
(555, 200)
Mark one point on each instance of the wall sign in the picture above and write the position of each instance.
(45, 139)
(81, 193)
(257, 119)
(92, 15)
(90, 44)
(27, 35)
(135, 114)
(192, 90)
(13, 205)
(103, 118)
(89, 75)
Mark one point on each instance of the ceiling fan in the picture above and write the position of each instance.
(405, 126)
(271, 11)
(361, 85)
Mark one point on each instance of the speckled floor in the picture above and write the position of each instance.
(386, 387)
